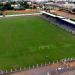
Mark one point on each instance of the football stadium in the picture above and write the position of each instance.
(33, 39)
(27, 40)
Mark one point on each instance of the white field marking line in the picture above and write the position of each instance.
(40, 47)
(20, 15)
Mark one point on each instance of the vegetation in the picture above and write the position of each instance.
(4, 7)
(29, 40)
(24, 5)
(7, 6)
(20, 6)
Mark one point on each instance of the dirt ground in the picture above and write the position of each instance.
(20, 11)
(65, 14)
(46, 70)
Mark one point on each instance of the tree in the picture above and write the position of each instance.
(7, 6)
(1, 8)
(24, 5)
(4, 7)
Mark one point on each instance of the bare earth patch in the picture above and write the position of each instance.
(65, 14)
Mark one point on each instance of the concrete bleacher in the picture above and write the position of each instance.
(60, 21)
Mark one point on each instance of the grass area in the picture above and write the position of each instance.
(28, 40)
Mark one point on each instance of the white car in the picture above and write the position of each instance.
(59, 69)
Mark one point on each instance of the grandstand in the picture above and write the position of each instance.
(60, 21)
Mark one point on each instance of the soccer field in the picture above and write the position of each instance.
(28, 40)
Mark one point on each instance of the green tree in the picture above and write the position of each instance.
(24, 5)
(1, 9)
(7, 6)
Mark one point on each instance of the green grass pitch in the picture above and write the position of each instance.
(28, 40)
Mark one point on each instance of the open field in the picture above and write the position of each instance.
(28, 40)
